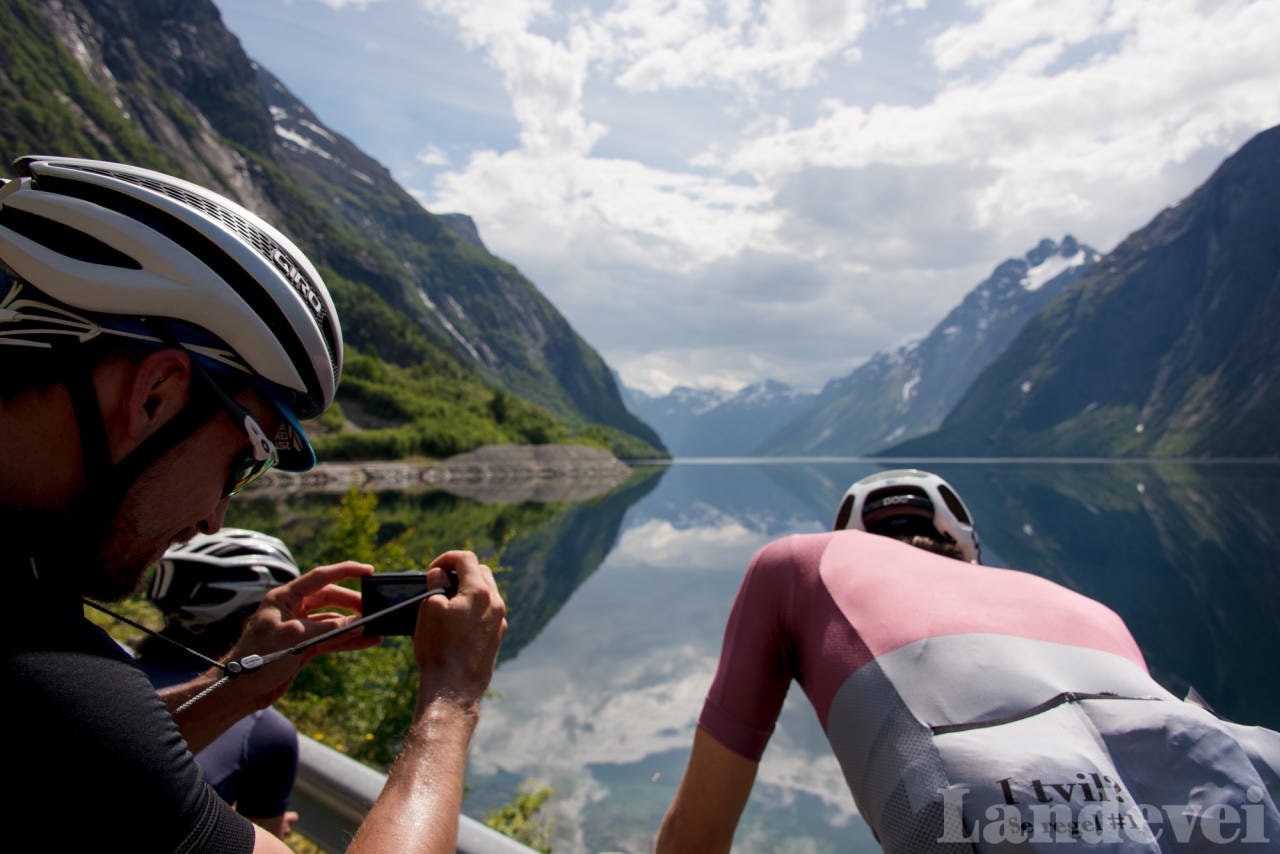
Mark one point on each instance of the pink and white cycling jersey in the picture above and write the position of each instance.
(975, 708)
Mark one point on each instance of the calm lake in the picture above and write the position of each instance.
(617, 606)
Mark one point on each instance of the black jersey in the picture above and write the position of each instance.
(95, 759)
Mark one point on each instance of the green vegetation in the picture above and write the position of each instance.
(520, 820)
(414, 412)
(389, 412)
(50, 99)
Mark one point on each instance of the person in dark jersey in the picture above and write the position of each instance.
(206, 588)
(971, 708)
(160, 346)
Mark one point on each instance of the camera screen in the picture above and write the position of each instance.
(382, 590)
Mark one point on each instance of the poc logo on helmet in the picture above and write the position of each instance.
(300, 282)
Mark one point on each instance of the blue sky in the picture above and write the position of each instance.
(718, 192)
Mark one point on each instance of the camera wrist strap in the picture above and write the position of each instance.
(252, 662)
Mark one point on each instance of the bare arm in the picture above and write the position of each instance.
(279, 825)
(288, 615)
(265, 842)
(709, 801)
(455, 646)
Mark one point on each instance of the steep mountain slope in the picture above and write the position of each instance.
(907, 392)
(715, 423)
(164, 84)
(1168, 347)
(494, 317)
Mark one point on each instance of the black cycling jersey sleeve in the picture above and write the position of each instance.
(97, 758)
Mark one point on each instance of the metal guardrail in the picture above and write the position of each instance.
(334, 792)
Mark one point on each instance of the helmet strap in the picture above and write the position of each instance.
(197, 413)
(107, 484)
(95, 452)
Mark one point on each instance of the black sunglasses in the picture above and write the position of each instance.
(261, 456)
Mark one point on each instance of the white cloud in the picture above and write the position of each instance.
(743, 46)
(614, 211)
(726, 545)
(1012, 25)
(543, 76)
(340, 5)
(432, 156)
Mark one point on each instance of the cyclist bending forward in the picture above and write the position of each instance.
(970, 708)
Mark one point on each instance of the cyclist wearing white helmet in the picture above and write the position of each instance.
(211, 579)
(970, 708)
(915, 506)
(206, 589)
(159, 345)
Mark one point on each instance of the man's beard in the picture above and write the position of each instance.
(108, 571)
(108, 576)
(111, 584)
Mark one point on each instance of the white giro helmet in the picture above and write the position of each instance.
(902, 502)
(215, 576)
(101, 247)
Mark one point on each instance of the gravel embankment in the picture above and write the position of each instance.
(496, 474)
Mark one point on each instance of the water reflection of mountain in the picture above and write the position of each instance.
(549, 564)
(548, 549)
(745, 493)
(1187, 554)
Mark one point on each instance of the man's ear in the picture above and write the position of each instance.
(158, 390)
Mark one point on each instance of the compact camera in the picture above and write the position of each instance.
(382, 590)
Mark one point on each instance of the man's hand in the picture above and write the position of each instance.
(296, 612)
(455, 643)
(287, 616)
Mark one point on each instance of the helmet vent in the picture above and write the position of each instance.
(64, 239)
(260, 242)
(954, 504)
(898, 510)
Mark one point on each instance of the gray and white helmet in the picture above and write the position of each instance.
(901, 502)
(216, 576)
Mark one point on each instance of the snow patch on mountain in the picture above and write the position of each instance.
(1053, 266)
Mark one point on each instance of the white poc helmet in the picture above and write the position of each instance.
(215, 576)
(902, 502)
(96, 247)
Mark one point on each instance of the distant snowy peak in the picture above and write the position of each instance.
(767, 391)
(901, 393)
(718, 422)
(696, 401)
(1013, 280)
(1049, 260)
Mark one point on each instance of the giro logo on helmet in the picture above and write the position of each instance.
(299, 280)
